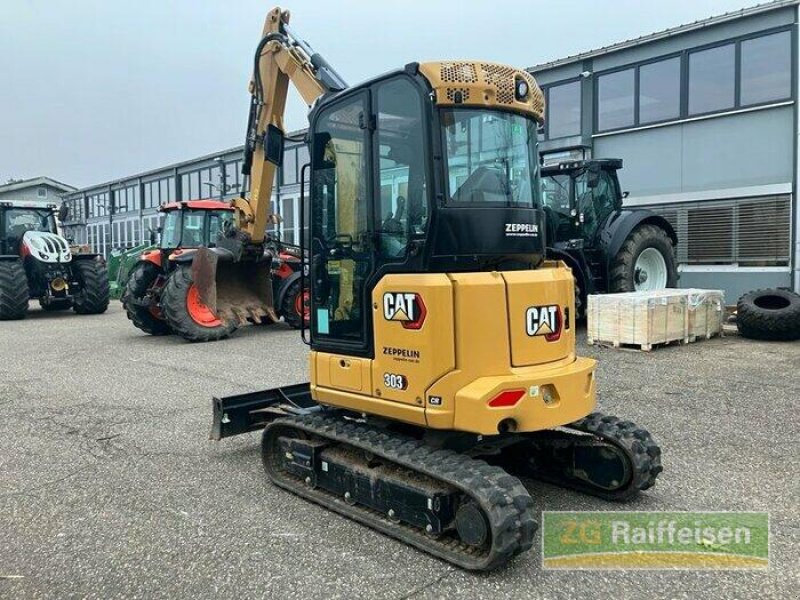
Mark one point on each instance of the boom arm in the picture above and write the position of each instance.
(280, 57)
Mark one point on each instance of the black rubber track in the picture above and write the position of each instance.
(13, 290)
(139, 282)
(95, 292)
(56, 305)
(636, 442)
(642, 453)
(770, 314)
(622, 270)
(288, 311)
(500, 496)
(173, 304)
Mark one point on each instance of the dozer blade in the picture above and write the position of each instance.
(234, 290)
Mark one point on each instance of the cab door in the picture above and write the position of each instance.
(341, 245)
(596, 198)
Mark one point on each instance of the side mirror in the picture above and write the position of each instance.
(63, 212)
(625, 195)
(273, 145)
(152, 236)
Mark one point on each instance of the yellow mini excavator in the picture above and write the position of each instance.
(442, 355)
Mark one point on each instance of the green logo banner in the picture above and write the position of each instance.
(655, 540)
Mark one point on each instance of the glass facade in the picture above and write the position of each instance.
(660, 90)
(563, 110)
(712, 79)
(615, 100)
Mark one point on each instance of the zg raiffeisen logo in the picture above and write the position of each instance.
(406, 307)
(545, 321)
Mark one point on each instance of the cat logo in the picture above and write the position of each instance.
(408, 308)
(544, 320)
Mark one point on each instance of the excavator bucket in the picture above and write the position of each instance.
(234, 290)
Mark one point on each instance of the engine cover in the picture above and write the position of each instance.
(46, 247)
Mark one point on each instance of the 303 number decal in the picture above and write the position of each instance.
(394, 381)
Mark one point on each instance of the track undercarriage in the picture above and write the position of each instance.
(455, 496)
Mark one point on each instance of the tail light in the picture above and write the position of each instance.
(506, 398)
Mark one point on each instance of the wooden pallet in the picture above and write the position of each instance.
(645, 320)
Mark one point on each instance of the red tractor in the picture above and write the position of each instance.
(161, 298)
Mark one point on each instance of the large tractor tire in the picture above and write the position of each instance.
(147, 318)
(13, 290)
(769, 315)
(186, 314)
(645, 262)
(296, 306)
(55, 305)
(95, 292)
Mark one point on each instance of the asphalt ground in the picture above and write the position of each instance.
(110, 487)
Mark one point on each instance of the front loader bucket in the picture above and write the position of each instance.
(234, 290)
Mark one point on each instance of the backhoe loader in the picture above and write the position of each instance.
(442, 358)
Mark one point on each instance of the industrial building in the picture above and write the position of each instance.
(39, 190)
(704, 116)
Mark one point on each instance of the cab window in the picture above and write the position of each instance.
(192, 229)
(340, 240)
(217, 221)
(402, 211)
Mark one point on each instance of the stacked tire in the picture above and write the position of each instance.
(770, 314)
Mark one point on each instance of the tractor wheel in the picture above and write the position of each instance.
(645, 262)
(296, 306)
(95, 293)
(147, 318)
(55, 305)
(13, 290)
(769, 315)
(186, 314)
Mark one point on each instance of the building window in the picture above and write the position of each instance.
(615, 100)
(712, 79)
(288, 220)
(41, 192)
(660, 90)
(766, 68)
(289, 167)
(302, 156)
(564, 110)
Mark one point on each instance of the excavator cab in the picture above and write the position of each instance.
(400, 186)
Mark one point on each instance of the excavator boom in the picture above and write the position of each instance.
(281, 57)
(233, 279)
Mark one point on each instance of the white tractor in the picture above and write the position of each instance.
(36, 261)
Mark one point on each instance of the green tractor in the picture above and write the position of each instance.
(609, 248)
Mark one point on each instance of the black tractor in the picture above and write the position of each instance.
(36, 261)
(609, 248)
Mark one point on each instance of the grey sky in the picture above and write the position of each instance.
(93, 90)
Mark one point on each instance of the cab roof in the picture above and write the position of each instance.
(207, 204)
